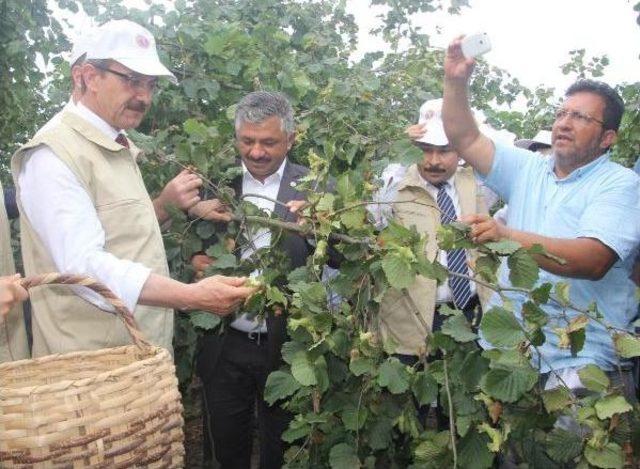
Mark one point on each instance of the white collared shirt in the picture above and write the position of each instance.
(259, 237)
(64, 218)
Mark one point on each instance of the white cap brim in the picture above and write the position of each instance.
(434, 133)
(150, 67)
(543, 137)
(431, 118)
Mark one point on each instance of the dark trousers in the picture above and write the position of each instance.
(410, 360)
(232, 389)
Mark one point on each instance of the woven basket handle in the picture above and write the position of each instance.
(67, 279)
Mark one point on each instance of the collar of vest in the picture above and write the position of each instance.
(93, 134)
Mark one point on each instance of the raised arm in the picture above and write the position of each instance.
(459, 125)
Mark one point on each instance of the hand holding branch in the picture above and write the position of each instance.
(182, 192)
(212, 210)
(485, 228)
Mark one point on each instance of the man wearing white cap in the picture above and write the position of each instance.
(86, 210)
(430, 193)
(182, 191)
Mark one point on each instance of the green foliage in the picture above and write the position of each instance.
(627, 345)
(280, 385)
(608, 406)
(594, 68)
(343, 456)
(607, 456)
(393, 376)
(563, 446)
(27, 29)
(509, 385)
(501, 328)
(593, 378)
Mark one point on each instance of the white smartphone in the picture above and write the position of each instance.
(475, 45)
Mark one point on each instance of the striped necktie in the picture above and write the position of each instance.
(456, 258)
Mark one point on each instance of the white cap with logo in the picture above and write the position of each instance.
(431, 117)
(81, 45)
(131, 45)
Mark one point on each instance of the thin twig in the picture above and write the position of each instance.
(306, 442)
(380, 202)
(260, 196)
(303, 230)
(452, 422)
(497, 288)
(364, 388)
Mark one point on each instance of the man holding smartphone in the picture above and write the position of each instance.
(577, 204)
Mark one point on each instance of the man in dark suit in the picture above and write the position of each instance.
(234, 365)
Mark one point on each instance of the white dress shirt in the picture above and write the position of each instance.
(64, 218)
(391, 178)
(258, 237)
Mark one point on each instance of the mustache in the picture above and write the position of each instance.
(262, 159)
(137, 106)
(433, 169)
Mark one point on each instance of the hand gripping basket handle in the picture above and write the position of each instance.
(68, 279)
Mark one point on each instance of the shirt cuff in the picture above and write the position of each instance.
(132, 283)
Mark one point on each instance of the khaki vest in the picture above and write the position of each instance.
(13, 333)
(62, 321)
(406, 316)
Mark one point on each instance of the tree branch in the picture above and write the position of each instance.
(452, 422)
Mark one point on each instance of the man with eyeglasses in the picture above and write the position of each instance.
(577, 204)
(86, 210)
(181, 192)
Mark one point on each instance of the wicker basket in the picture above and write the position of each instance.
(117, 407)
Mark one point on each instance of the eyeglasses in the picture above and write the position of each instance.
(577, 116)
(135, 82)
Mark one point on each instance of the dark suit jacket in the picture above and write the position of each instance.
(297, 250)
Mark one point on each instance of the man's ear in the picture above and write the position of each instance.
(88, 74)
(76, 77)
(609, 137)
(291, 140)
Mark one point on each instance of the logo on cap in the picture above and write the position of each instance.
(142, 41)
(429, 115)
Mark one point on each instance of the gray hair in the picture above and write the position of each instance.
(100, 64)
(258, 106)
